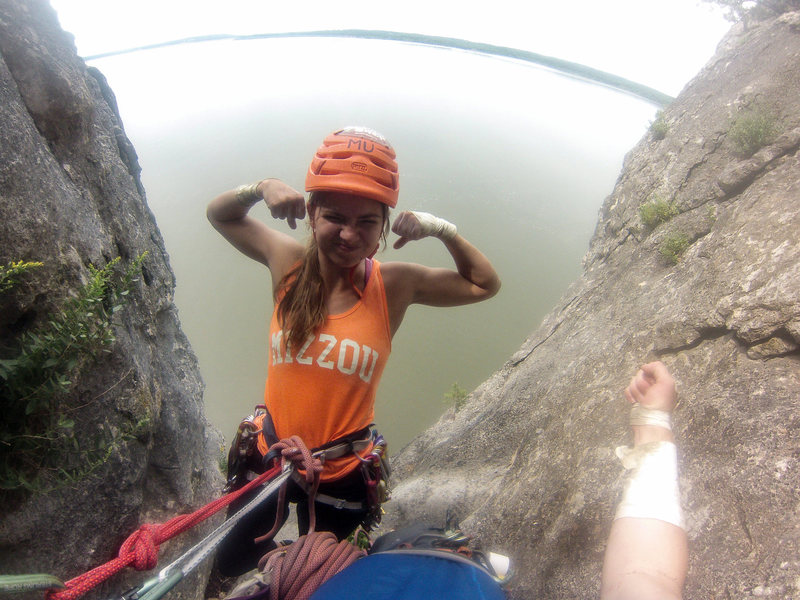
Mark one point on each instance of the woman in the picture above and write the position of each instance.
(336, 310)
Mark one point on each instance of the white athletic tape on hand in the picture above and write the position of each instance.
(435, 226)
(652, 488)
(650, 416)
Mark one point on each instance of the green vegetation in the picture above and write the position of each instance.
(752, 130)
(11, 273)
(42, 447)
(457, 397)
(673, 246)
(659, 127)
(360, 538)
(657, 211)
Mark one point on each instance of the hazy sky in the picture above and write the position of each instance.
(661, 43)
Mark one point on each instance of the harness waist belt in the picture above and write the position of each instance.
(346, 445)
(324, 498)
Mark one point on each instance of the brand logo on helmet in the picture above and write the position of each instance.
(359, 166)
(361, 144)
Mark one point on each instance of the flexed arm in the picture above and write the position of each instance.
(474, 278)
(228, 213)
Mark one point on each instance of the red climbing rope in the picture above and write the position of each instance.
(140, 550)
(294, 450)
(297, 570)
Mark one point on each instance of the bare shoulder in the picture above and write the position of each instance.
(411, 283)
(399, 277)
(398, 282)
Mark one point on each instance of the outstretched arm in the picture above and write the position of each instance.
(228, 213)
(646, 555)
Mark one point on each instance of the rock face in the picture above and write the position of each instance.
(528, 464)
(70, 196)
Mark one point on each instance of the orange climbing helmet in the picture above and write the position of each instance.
(355, 160)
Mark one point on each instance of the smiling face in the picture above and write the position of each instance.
(347, 228)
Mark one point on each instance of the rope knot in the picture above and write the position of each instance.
(295, 451)
(141, 547)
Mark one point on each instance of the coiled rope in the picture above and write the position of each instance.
(297, 570)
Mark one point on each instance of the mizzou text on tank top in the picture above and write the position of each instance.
(325, 389)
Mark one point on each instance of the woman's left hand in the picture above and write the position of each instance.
(415, 225)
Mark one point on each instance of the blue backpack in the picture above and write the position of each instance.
(416, 563)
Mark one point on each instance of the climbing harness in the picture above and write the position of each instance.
(374, 469)
(296, 570)
(256, 433)
(376, 472)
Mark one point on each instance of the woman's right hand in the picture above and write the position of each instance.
(283, 201)
(653, 387)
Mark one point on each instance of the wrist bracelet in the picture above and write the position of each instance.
(641, 415)
(247, 195)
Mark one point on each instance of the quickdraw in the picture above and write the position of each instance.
(376, 472)
(244, 459)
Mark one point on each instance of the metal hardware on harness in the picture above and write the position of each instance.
(375, 470)
(242, 451)
(339, 503)
(340, 449)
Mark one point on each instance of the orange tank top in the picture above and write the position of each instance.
(325, 390)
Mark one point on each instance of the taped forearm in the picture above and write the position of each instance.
(651, 491)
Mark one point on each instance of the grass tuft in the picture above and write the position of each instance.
(659, 127)
(752, 130)
(673, 246)
(657, 211)
(457, 397)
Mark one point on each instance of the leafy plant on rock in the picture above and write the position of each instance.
(657, 211)
(752, 130)
(457, 397)
(11, 273)
(673, 246)
(659, 127)
(41, 445)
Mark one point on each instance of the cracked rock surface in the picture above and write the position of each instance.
(527, 465)
(70, 197)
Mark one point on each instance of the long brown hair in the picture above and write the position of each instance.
(302, 308)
